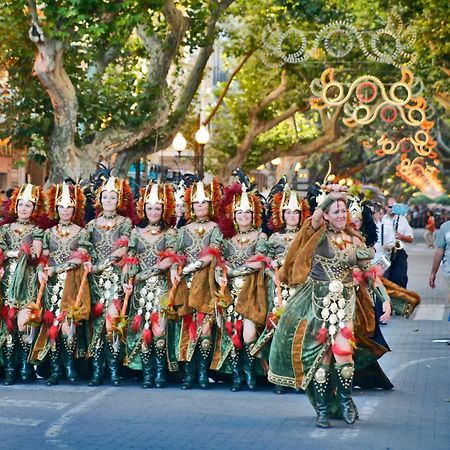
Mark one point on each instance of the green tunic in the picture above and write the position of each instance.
(236, 256)
(105, 283)
(151, 287)
(295, 352)
(18, 286)
(59, 252)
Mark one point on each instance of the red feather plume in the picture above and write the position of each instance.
(80, 255)
(339, 351)
(121, 242)
(2, 257)
(215, 252)
(348, 334)
(48, 318)
(175, 258)
(136, 323)
(260, 258)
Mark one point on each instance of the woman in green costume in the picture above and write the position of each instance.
(108, 235)
(315, 334)
(62, 336)
(288, 212)
(150, 255)
(21, 246)
(193, 298)
(240, 317)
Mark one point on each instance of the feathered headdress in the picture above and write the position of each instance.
(236, 198)
(67, 195)
(198, 192)
(125, 202)
(27, 192)
(287, 199)
(158, 193)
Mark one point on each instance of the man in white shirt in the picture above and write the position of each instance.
(386, 236)
(398, 272)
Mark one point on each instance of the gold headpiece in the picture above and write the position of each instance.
(243, 204)
(290, 200)
(113, 184)
(354, 208)
(28, 192)
(199, 194)
(152, 197)
(63, 197)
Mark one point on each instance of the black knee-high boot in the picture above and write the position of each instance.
(249, 368)
(98, 363)
(344, 383)
(204, 353)
(9, 351)
(322, 390)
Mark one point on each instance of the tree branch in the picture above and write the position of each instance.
(227, 86)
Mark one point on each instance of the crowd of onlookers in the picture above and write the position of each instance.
(419, 215)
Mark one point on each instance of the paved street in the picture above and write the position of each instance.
(415, 415)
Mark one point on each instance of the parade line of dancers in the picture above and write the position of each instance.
(205, 280)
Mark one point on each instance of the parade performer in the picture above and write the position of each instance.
(150, 255)
(368, 373)
(195, 286)
(62, 335)
(20, 249)
(108, 235)
(240, 222)
(315, 333)
(288, 212)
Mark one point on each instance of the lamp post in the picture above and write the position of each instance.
(202, 138)
(179, 143)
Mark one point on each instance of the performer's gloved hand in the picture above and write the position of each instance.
(192, 267)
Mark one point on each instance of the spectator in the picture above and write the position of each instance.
(430, 228)
(442, 254)
(398, 271)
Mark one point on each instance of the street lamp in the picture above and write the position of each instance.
(202, 138)
(179, 142)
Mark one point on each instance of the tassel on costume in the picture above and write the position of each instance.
(229, 328)
(136, 323)
(200, 318)
(192, 331)
(53, 333)
(238, 326)
(154, 318)
(322, 335)
(118, 304)
(147, 336)
(10, 316)
(97, 310)
(236, 341)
